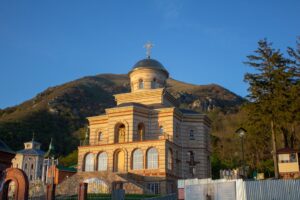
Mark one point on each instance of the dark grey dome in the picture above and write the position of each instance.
(149, 63)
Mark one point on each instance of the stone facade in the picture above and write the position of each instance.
(147, 136)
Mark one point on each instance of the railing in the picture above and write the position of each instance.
(166, 136)
(96, 141)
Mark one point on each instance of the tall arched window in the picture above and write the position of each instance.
(100, 136)
(170, 159)
(89, 163)
(137, 161)
(152, 159)
(120, 133)
(102, 161)
(141, 131)
(141, 84)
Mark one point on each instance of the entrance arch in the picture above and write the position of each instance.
(15, 185)
(119, 161)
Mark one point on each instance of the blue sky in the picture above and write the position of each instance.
(46, 43)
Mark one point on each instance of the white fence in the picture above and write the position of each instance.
(195, 189)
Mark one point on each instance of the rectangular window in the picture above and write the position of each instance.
(283, 158)
(192, 137)
(153, 187)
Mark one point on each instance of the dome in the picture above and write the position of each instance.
(149, 63)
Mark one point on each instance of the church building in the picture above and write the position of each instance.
(30, 160)
(147, 136)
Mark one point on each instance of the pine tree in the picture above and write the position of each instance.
(295, 89)
(267, 90)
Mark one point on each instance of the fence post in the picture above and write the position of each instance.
(51, 191)
(82, 191)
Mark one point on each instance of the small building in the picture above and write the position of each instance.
(288, 163)
(30, 160)
(6, 155)
(59, 173)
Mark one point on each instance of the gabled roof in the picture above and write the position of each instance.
(35, 152)
(67, 169)
(286, 150)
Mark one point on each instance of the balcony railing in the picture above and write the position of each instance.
(96, 141)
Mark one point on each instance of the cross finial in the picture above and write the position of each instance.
(148, 47)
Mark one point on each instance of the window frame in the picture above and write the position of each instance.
(152, 158)
(102, 162)
(137, 159)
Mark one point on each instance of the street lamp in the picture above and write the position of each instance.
(241, 132)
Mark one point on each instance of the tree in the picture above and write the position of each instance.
(268, 89)
(295, 89)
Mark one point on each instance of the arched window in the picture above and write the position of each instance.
(141, 131)
(192, 137)
(161, 130)
(152, 159)
(102, 161)
(170, 159)
(191, 157)
(141, 84)
(154, 83)
(89, 163)
(120, 133)
(100, 136)
(137, 161)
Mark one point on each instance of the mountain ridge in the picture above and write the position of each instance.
(60, 111)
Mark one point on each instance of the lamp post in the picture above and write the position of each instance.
(241, 132)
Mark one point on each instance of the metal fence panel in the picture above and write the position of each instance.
(273, 190)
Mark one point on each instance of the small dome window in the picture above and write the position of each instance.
(154, 83)
(141, 84)
(161, 130)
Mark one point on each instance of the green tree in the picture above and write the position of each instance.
(294, 117)
(268, 92)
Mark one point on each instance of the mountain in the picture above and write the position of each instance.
(60, 112)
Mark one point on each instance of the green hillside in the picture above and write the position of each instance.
(60, 112)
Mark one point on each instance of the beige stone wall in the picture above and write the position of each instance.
(17, 161)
